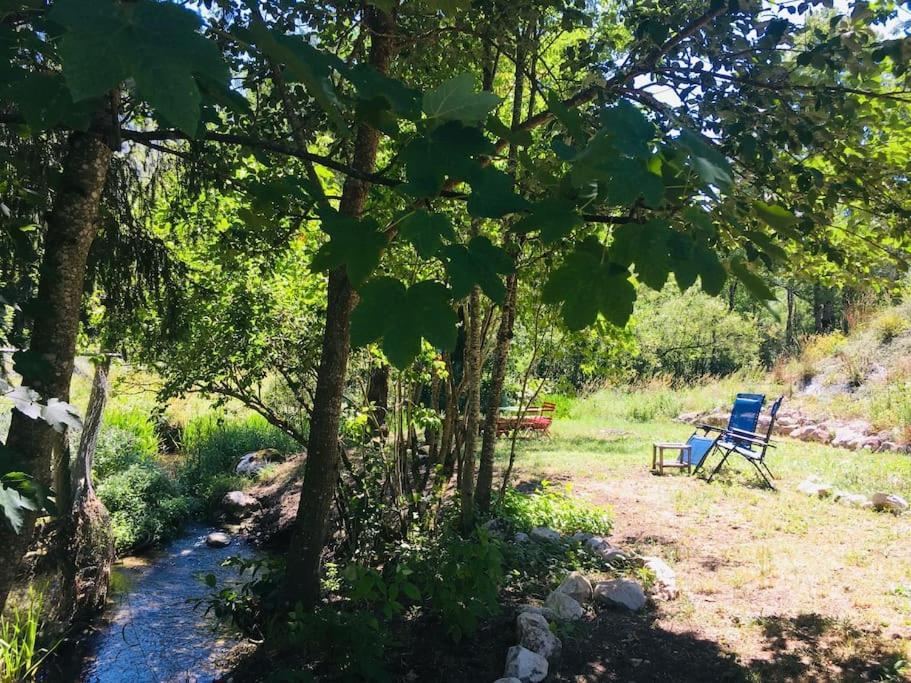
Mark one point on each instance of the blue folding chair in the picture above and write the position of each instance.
(742, 442)
(744, 417)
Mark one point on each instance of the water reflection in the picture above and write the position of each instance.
(151, 634)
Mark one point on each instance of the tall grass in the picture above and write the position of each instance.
(19, 654)
(213, 444)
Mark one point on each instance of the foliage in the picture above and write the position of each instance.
(240, 602)
(213, 444)
(660, 401)
(350, 644)
(146, 505)
(553, 507)
(19, 652)
(890, 325)
(126, 438)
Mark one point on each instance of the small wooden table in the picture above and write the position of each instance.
(684, 454)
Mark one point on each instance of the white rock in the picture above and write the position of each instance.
(852, 499)
(535, 609)
(544, 534)
(527, 666)
(576, 586)
(620, 593)
(218, 539)
(665, 586)
(239, 503)
(888, 502)
(533, 633)
(253, 463)
(563, 606)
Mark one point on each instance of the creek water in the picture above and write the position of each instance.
(150, 633)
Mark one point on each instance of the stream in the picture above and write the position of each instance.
(150, 633)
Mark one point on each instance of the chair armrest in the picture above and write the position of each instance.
(742, 436)
(710, 428)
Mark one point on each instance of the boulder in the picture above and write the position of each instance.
(536, 609)
(521, 537)
(856, 500)
(497, 528)
(527, 666)
(620, 593)
(577, 587)
(597, 543)
(533, 633)
(218, 539)
(888, 502)
(614, 556)
(238, 503)
(563, 606)
(665, 585)
(253, 463)
(543, 534)
(511, 679)
(581, 536)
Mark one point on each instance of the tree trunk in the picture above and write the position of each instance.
(378, 396)
(302, 581)
(71, 228)
(789, 335)
(473, 410)
(498, 375)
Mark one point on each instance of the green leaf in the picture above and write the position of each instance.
(630, 131)
(12, 505)
(445, 152)
(99, 17)
(570, 118)
(492, 195)
(623, 180)
(309, 65)
(93, 65)
(371, 84)
(169, 87)
(647, 246)
(457, 100)
(710, 164)
(43, 100)
(554, 218)
(751, 281)
(354, 243)
(774, 216)
(606, 286)
(400, 317)
(480, 263)
(426, 231)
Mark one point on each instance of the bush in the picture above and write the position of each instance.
(126, 438)
(649, 404)
(889, 325)
(214, 443)
(146, 506)
(553, 507)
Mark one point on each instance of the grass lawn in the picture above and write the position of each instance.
(775, 585)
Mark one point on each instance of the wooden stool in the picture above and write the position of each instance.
(684, 453)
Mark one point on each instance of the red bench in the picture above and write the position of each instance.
(536, 420)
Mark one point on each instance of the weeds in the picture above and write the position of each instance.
(19, 652)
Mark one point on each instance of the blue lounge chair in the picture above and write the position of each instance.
(744, 417)
(750, 445)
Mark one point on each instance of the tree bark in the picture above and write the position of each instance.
(498, 375)
(789, 334)
(71, 228)
(378, 396)
(473, 409)
(302, 581)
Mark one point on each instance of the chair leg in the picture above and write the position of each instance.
(772, 476)
(719, 466)
(762, 474)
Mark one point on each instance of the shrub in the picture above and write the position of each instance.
(146, 506)
(649, 404)
(553, 507)
(889, 325)
(214, 443)
(126, 438)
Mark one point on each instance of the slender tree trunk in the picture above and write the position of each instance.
(71, 228)
(302, 582)
(789, 339)
(378, 396)
(87, 544)
(473, 410)
(498, 375)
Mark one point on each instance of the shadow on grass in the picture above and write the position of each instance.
(623, 646)
(815, 647)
